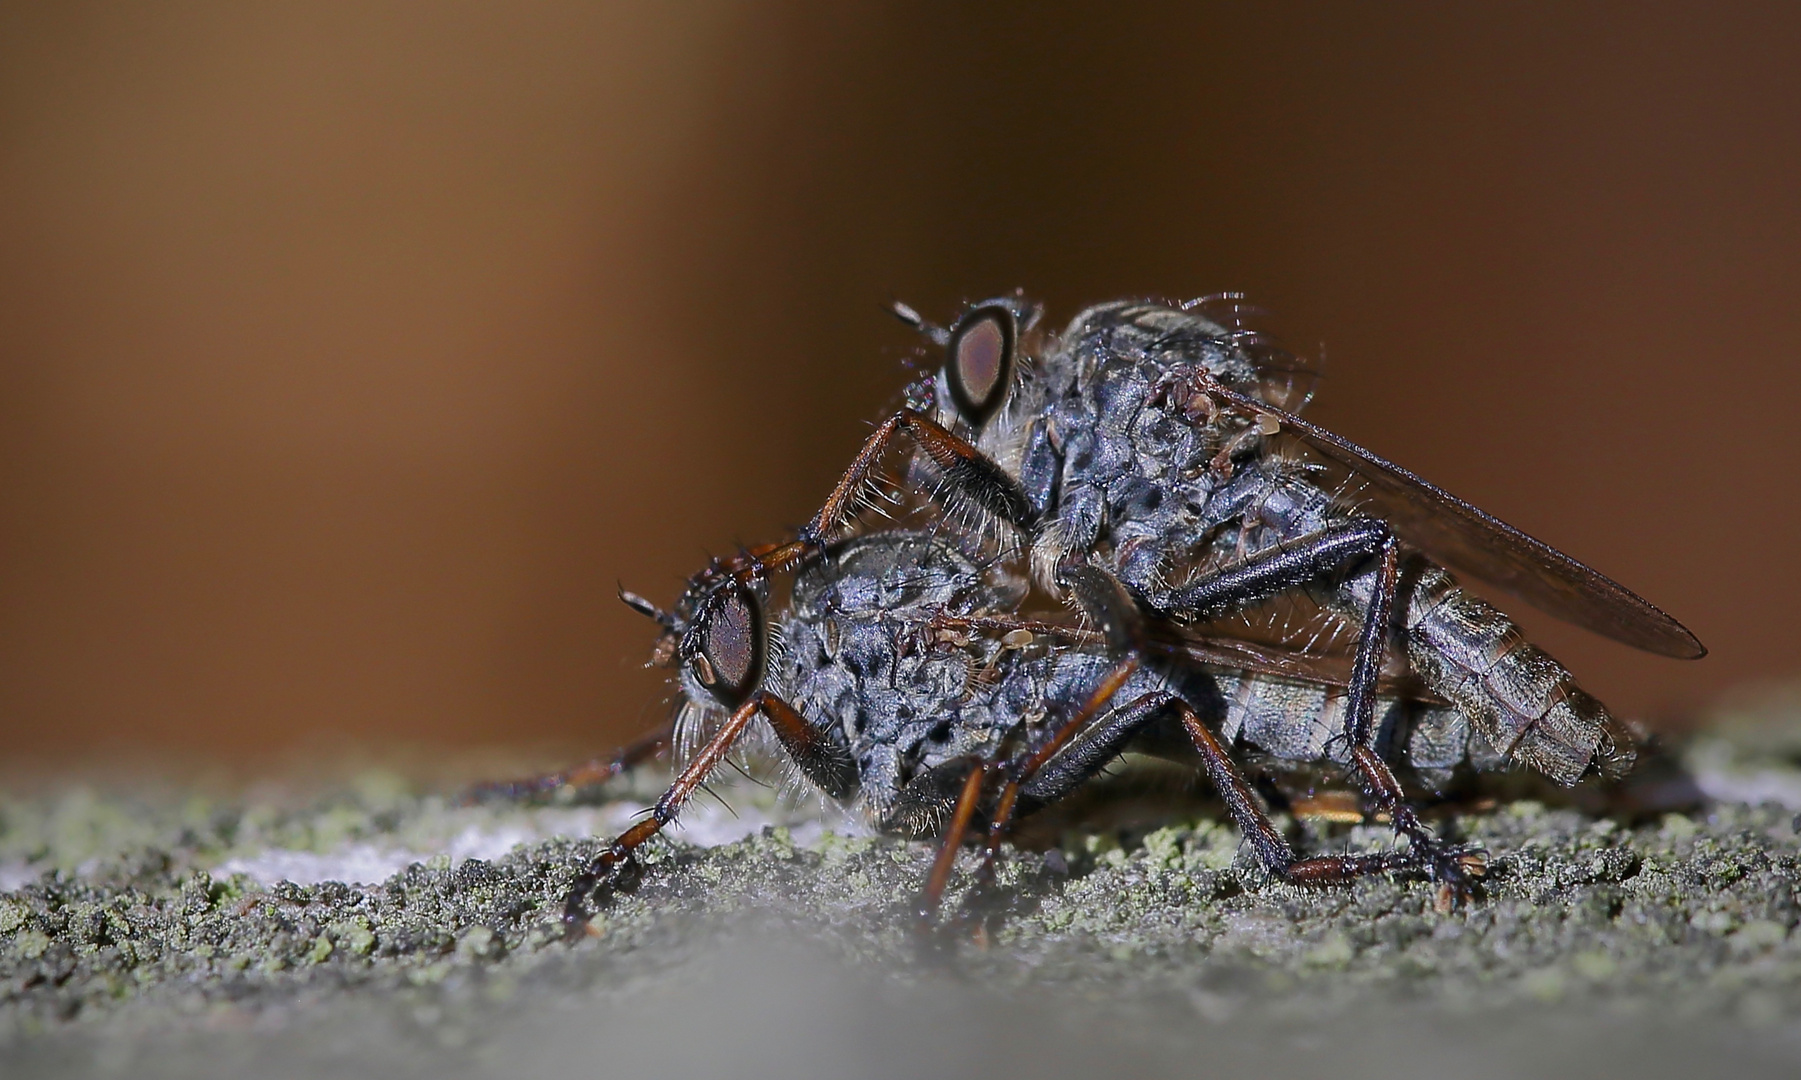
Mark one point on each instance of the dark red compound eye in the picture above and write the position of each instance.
(979, 368)
(730, 645)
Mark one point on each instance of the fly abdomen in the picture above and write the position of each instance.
(1305, 721)
(1283, 717)
(1524, 704)
(1519, 703)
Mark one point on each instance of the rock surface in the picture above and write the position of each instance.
(149, 934)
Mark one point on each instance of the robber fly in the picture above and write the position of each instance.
(898, 676)
(1146, 465)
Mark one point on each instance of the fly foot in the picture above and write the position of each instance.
(605, 877)
(1458, 870)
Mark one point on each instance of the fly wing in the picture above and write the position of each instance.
(1229, 651)
(1256, 646)
(1461, 537)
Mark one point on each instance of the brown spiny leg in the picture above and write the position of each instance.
(954, 831)
(928, 792)
(751, 563)
(1018, 772)
(970, 472)
(1121, 626)
(598, 771)
(1015, 773)
(825, 762)
(980, 362)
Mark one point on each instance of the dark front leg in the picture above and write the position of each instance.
(1276, 570)
(1302, 562)
(1292, 565)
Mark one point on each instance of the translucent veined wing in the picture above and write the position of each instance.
(1221, 646)
(1261, 649)
(1466, 539)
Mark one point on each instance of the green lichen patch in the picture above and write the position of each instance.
(1694, 913)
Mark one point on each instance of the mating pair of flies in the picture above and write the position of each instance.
(1145, 467)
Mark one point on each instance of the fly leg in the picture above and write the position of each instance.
(1300, 562)
(1086, 755)
(1080, 748)
(598, 771)
(954, 832)
(1090, 752)
(927, 800)
(825, 762)
(1074, 759)
(1454, 868)
(1121, 625)
(969, 475)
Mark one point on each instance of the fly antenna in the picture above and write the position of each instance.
(645, 607)
(934, 333)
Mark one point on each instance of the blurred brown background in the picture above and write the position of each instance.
(351, 354)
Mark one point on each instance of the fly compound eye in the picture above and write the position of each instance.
(979, 368)
(729, 644)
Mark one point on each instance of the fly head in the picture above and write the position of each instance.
(726, 647)
(981, 362)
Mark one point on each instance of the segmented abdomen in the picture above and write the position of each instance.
(1304, 721)
(1523, 703)
(1520, 704)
